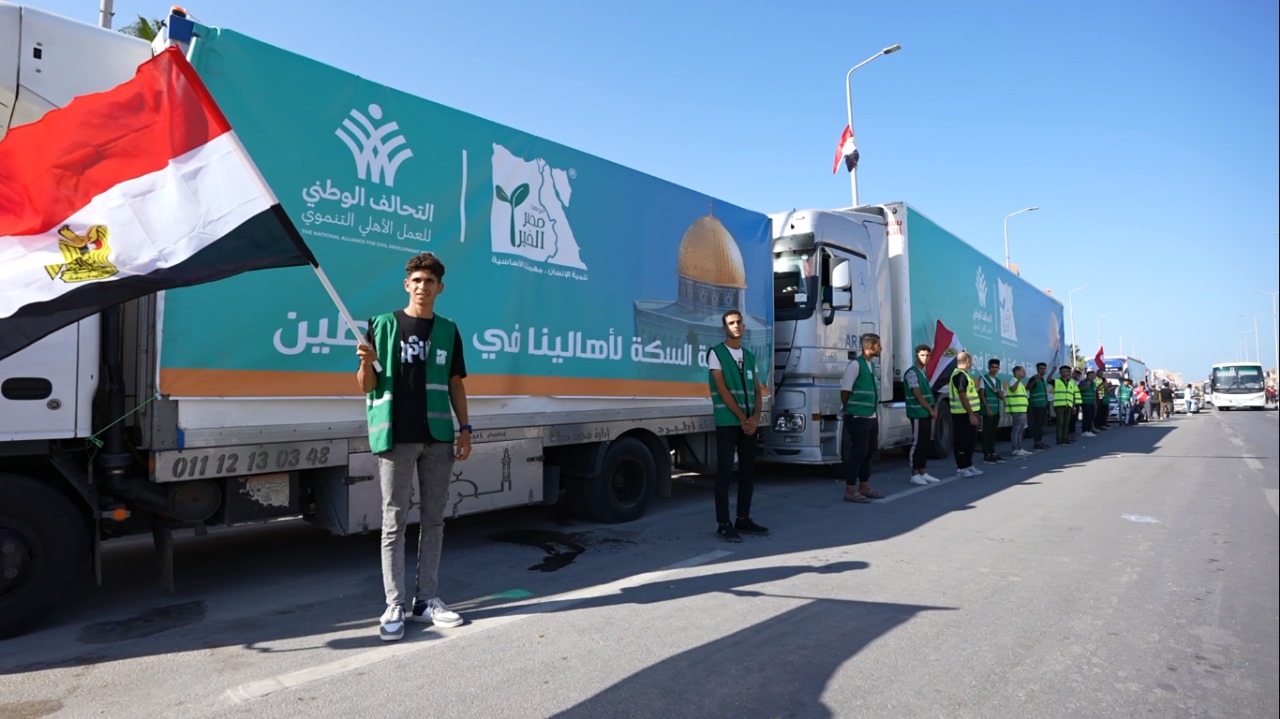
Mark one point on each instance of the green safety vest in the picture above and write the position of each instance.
(386, 335)
(864, 396)
(742, 385)
(957, 407)
(915, 410)
(1088, 392)
(1015, 401)
(1126, 394)
(993, 392)
(1040, 393)
(1063, 393)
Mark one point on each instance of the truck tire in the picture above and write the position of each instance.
(44, 544)
(943, 441)
(626, 484)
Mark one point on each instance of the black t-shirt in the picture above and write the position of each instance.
(409, 389)
(1166, 394)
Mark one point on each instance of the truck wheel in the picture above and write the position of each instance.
(626, 483)
(942, 439)
(44, 543)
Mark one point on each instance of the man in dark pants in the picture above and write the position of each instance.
(860, 396)
(1064, 403)
(1038, 394)
(990, 395)
(964, 415)
(735, 397)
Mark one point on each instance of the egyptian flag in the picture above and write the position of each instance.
(942, 358)
(1097, 359)
(846, 148)
(126, 192)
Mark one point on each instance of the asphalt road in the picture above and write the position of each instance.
(1134, 574)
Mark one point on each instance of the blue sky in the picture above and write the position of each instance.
(1145, 131)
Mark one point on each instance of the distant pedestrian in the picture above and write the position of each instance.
(1016, 404)
(1124, 410)
(860, 396)
(735, 400)
(1088, 404)
(1038, 395)
(1064, 398)
(1076, 377)
(922, 411)
(1166, 400)
(990, 395)
(964, 415)
(1188, 398)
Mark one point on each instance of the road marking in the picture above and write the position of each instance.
(1273, 497)
(266, 687)
(1140, 518)
(1253, 463)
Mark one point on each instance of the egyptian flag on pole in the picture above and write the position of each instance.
(942, 358)
(1097, 359)
(846, 148)
(126, 192)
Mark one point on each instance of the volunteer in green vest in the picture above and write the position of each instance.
(1104, 403)
(921, 411)
(735, 397)
(411, 401)
(990, 394)
(1088, 404)
(964, 415)
(1016, 404)
(860, 396)
(1125, 396)
(1064, 401)
(1038, 397)
(1076, 378)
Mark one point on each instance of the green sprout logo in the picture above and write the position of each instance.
(518, 196)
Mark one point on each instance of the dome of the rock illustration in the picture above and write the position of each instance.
(709, 254)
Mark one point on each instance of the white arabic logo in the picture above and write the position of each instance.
(981, 285)
(377, 153)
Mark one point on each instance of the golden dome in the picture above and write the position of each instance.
(708, 253)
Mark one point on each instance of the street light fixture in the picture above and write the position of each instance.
(848, 107)
(1072, 314)
(1008, 266)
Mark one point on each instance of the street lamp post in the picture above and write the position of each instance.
(848, 107)
(1275, 330)
(1007, 265)
(1071, 312)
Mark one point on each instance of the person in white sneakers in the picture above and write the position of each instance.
(414, 391)
(1016, 403)
(964, 415)
(922, 411)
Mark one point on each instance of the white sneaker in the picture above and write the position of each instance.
(963, 473)
(930, 478)
(974, 472)
(1088, 434)
(391, 625)
(919, 479)
(435, 612)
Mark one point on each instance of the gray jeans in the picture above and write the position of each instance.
(1019, 427)
(396, 468)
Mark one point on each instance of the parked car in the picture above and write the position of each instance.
(1180, 402)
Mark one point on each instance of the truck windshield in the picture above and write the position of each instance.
(1237, 379)
(794, 284)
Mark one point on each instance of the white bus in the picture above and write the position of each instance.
(1238, 384)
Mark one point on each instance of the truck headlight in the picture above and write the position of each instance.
(789, 423)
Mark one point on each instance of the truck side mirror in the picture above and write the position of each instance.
(841, 296)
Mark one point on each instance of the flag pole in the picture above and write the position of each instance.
(342, 309)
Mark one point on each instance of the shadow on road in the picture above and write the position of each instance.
(522, 554)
